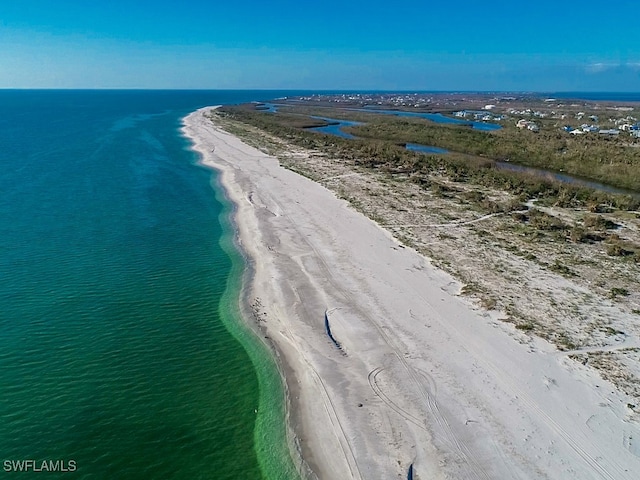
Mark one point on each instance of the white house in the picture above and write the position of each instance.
(522, 123)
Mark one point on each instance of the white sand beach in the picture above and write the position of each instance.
(392, 374)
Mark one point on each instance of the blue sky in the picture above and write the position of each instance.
(538, 45)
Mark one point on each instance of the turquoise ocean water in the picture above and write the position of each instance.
(120, 348)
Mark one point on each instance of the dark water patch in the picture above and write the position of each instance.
(564, 178)
(267, 107)
(549, 175)
(335, 127)
(434, 117)
(416, 147)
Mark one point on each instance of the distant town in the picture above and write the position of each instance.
(526, 111)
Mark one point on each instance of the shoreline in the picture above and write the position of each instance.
(244, 311)
(421, 381)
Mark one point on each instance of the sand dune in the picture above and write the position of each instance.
(389, 369)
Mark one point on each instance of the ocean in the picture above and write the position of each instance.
(121, 350)
(598, 96)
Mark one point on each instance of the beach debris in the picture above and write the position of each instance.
(327, 328)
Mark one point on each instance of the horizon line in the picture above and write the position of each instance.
(332, 90)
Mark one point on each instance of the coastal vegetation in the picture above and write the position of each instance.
(472, 153)
(558, 260)
(606, 160)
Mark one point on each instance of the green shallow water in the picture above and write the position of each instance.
(121, 345)
(270, 429)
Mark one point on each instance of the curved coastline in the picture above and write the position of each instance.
(425, 384)
(274, 440)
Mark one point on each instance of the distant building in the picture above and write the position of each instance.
(522, 123)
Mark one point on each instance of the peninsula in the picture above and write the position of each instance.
(402, 362)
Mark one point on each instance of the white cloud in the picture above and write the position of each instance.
(599, 67)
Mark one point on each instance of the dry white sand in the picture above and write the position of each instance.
(420, 377)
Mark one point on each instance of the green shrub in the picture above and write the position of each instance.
(562, 269)
(617, 250)
(599, 222)
(543, 221)
(615, 292)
